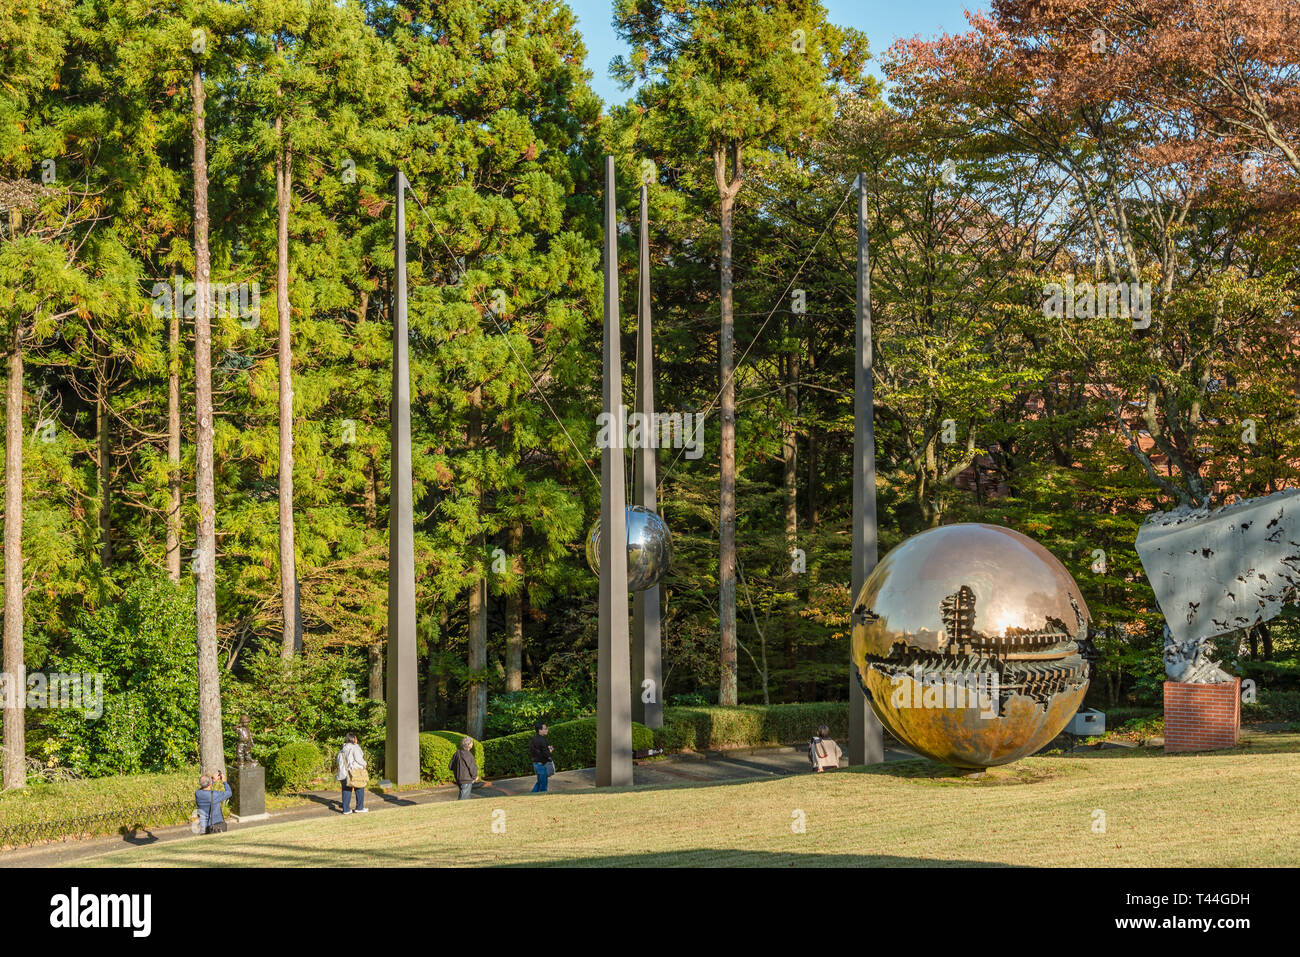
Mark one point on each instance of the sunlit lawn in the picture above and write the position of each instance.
(1233, 808)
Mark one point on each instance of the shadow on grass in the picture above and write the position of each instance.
(289, 855)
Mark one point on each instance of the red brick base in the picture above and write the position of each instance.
(1201, 717)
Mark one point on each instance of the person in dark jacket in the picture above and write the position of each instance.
(208, 802)
(464, 768)
(540, 752)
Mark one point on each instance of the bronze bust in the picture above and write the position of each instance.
(244, 749)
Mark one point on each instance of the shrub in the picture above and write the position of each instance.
(1273, 705)
(295, 767)
(96, 806)
(688, 698)
(436, 750)
(516, 711)
(143, 644)
(298, 699)
(574, 743)
(750, 725)
(677, 734)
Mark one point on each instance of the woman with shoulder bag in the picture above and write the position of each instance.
(824, 753)
(353, 775)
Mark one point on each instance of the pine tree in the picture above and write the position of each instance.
(730, 80)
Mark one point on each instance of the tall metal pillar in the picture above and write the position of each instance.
(647, 662)
(613, 682)
(866, 739)
(402, 737)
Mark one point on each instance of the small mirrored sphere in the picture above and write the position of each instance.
(649, 548)
(966, 642)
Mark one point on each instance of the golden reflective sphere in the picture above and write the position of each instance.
(965, 640)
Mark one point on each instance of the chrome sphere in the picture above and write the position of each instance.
(649, 548)
(965, 640)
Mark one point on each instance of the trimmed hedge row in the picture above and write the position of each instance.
(436, 750)
(715, 727)
(574, 743)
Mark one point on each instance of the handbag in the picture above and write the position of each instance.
(358, 777)
(825, 760)
(550, 768)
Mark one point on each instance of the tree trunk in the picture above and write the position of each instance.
(515, 614)
(105, 476)
(790, 452)
(288, 578)
(370, 495)
(212, 755)
(477, 705)
(174, 444)
(727, 691)
(15, 672)
(375, 672)
(813, 517)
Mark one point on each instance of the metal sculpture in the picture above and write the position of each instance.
(613, 666)
(966, 643)
(866, 737)
(1220, 571)
(402, 728)
(649, 548)
(647, 655)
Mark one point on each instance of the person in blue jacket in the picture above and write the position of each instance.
(208, 802)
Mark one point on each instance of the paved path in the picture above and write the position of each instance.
(672, 771)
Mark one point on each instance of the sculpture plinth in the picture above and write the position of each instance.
(248, 787)
(1202, 717)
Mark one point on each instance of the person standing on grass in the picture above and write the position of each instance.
(540, 752)
(464, 768)
(352, 774)
(208, 803)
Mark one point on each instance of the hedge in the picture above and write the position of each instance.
(96, 806)
(1273, 704)
(716, 726)
(295, 767)
(574, 743)
(436, 750)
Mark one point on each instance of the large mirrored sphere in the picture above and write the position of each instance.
(649, 548)
(965, 640)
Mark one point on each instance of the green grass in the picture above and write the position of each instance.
(1229, 808)
(93, 807)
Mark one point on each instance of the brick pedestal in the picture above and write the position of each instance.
(1202, 717)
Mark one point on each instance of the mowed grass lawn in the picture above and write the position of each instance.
(1233, 808)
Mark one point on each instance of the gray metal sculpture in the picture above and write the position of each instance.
(613, 661)
(1216, 572)
(402, 730)
(649, 547)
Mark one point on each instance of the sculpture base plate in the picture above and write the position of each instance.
(247, 818)
(249, 786)
(1202, 717)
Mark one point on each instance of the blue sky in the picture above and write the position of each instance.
(883, 21)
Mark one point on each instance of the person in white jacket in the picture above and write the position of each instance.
(350, 758)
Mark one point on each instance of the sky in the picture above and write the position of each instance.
(883, 21)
